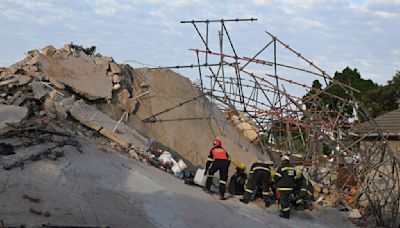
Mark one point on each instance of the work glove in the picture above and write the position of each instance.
(205, 172)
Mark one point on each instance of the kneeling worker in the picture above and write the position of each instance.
(218, 160)
(238, 179)
(259, 175)
(303, 191)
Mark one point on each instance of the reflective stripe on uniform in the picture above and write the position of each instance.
(210, 175)
(210, 159)
(303, 189)
(287, 168)
(286, 209)
(278, 174)
(263, 168)
(222, 182)
(299, 201)
(284, 189)
(249, 190)
(309, 193)
(265, 193)
(251, 172)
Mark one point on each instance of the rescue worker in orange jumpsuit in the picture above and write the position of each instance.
(218, 160)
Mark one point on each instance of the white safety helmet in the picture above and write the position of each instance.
(285, 158)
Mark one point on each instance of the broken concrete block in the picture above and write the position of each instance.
(116, 78)
(23, 79)
(22, 98)
(11, 114)
(79, 112)
(39, 89)
(123, 96)
(33, 53)
(115, 137)
(115, 68)
(317, 187)
(9, 81)
(325, 191)
(49, 50)
(103, 62)
(328, 202)
(327, 180)
(56, 83)
(57, 105)
(67, 48)
(354, 213)
(31, 69)
(93, 118)
(16, 95)
(80, 73)
(116, 86)
(107, 58)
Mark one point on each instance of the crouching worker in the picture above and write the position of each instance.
(259, 176)
(218, 160)
(284, 178)
(238, 179)
(303, 191)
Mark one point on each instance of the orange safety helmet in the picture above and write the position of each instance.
(217, 142)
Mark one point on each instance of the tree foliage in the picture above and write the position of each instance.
(385, 98)
(90, 51)
(377, 99)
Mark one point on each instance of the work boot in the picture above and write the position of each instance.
(284, 215)
(267, 204)
(245, 201)
(208, 191)
(222, 198)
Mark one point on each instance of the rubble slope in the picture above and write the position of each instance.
(95, 188)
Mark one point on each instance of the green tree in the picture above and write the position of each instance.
(344, 105)
(385, 98)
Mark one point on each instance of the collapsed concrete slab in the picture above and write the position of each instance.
(79, 72)
(189, 129)
(98, 121)
(11, 114)
(39, 90)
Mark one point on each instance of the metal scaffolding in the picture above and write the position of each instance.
(267, 91)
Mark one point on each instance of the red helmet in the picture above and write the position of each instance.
(217, 142)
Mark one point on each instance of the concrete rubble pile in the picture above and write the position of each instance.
(54, 97)
(336, 188)
(94, 92)
(48, 100)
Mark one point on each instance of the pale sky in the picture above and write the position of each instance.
(362, 34)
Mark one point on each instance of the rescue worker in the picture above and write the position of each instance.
(296, 187)
(272, 183)
(303, 191)
(284, 178)
(218, 160)
(238, 179)
(259, 176)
